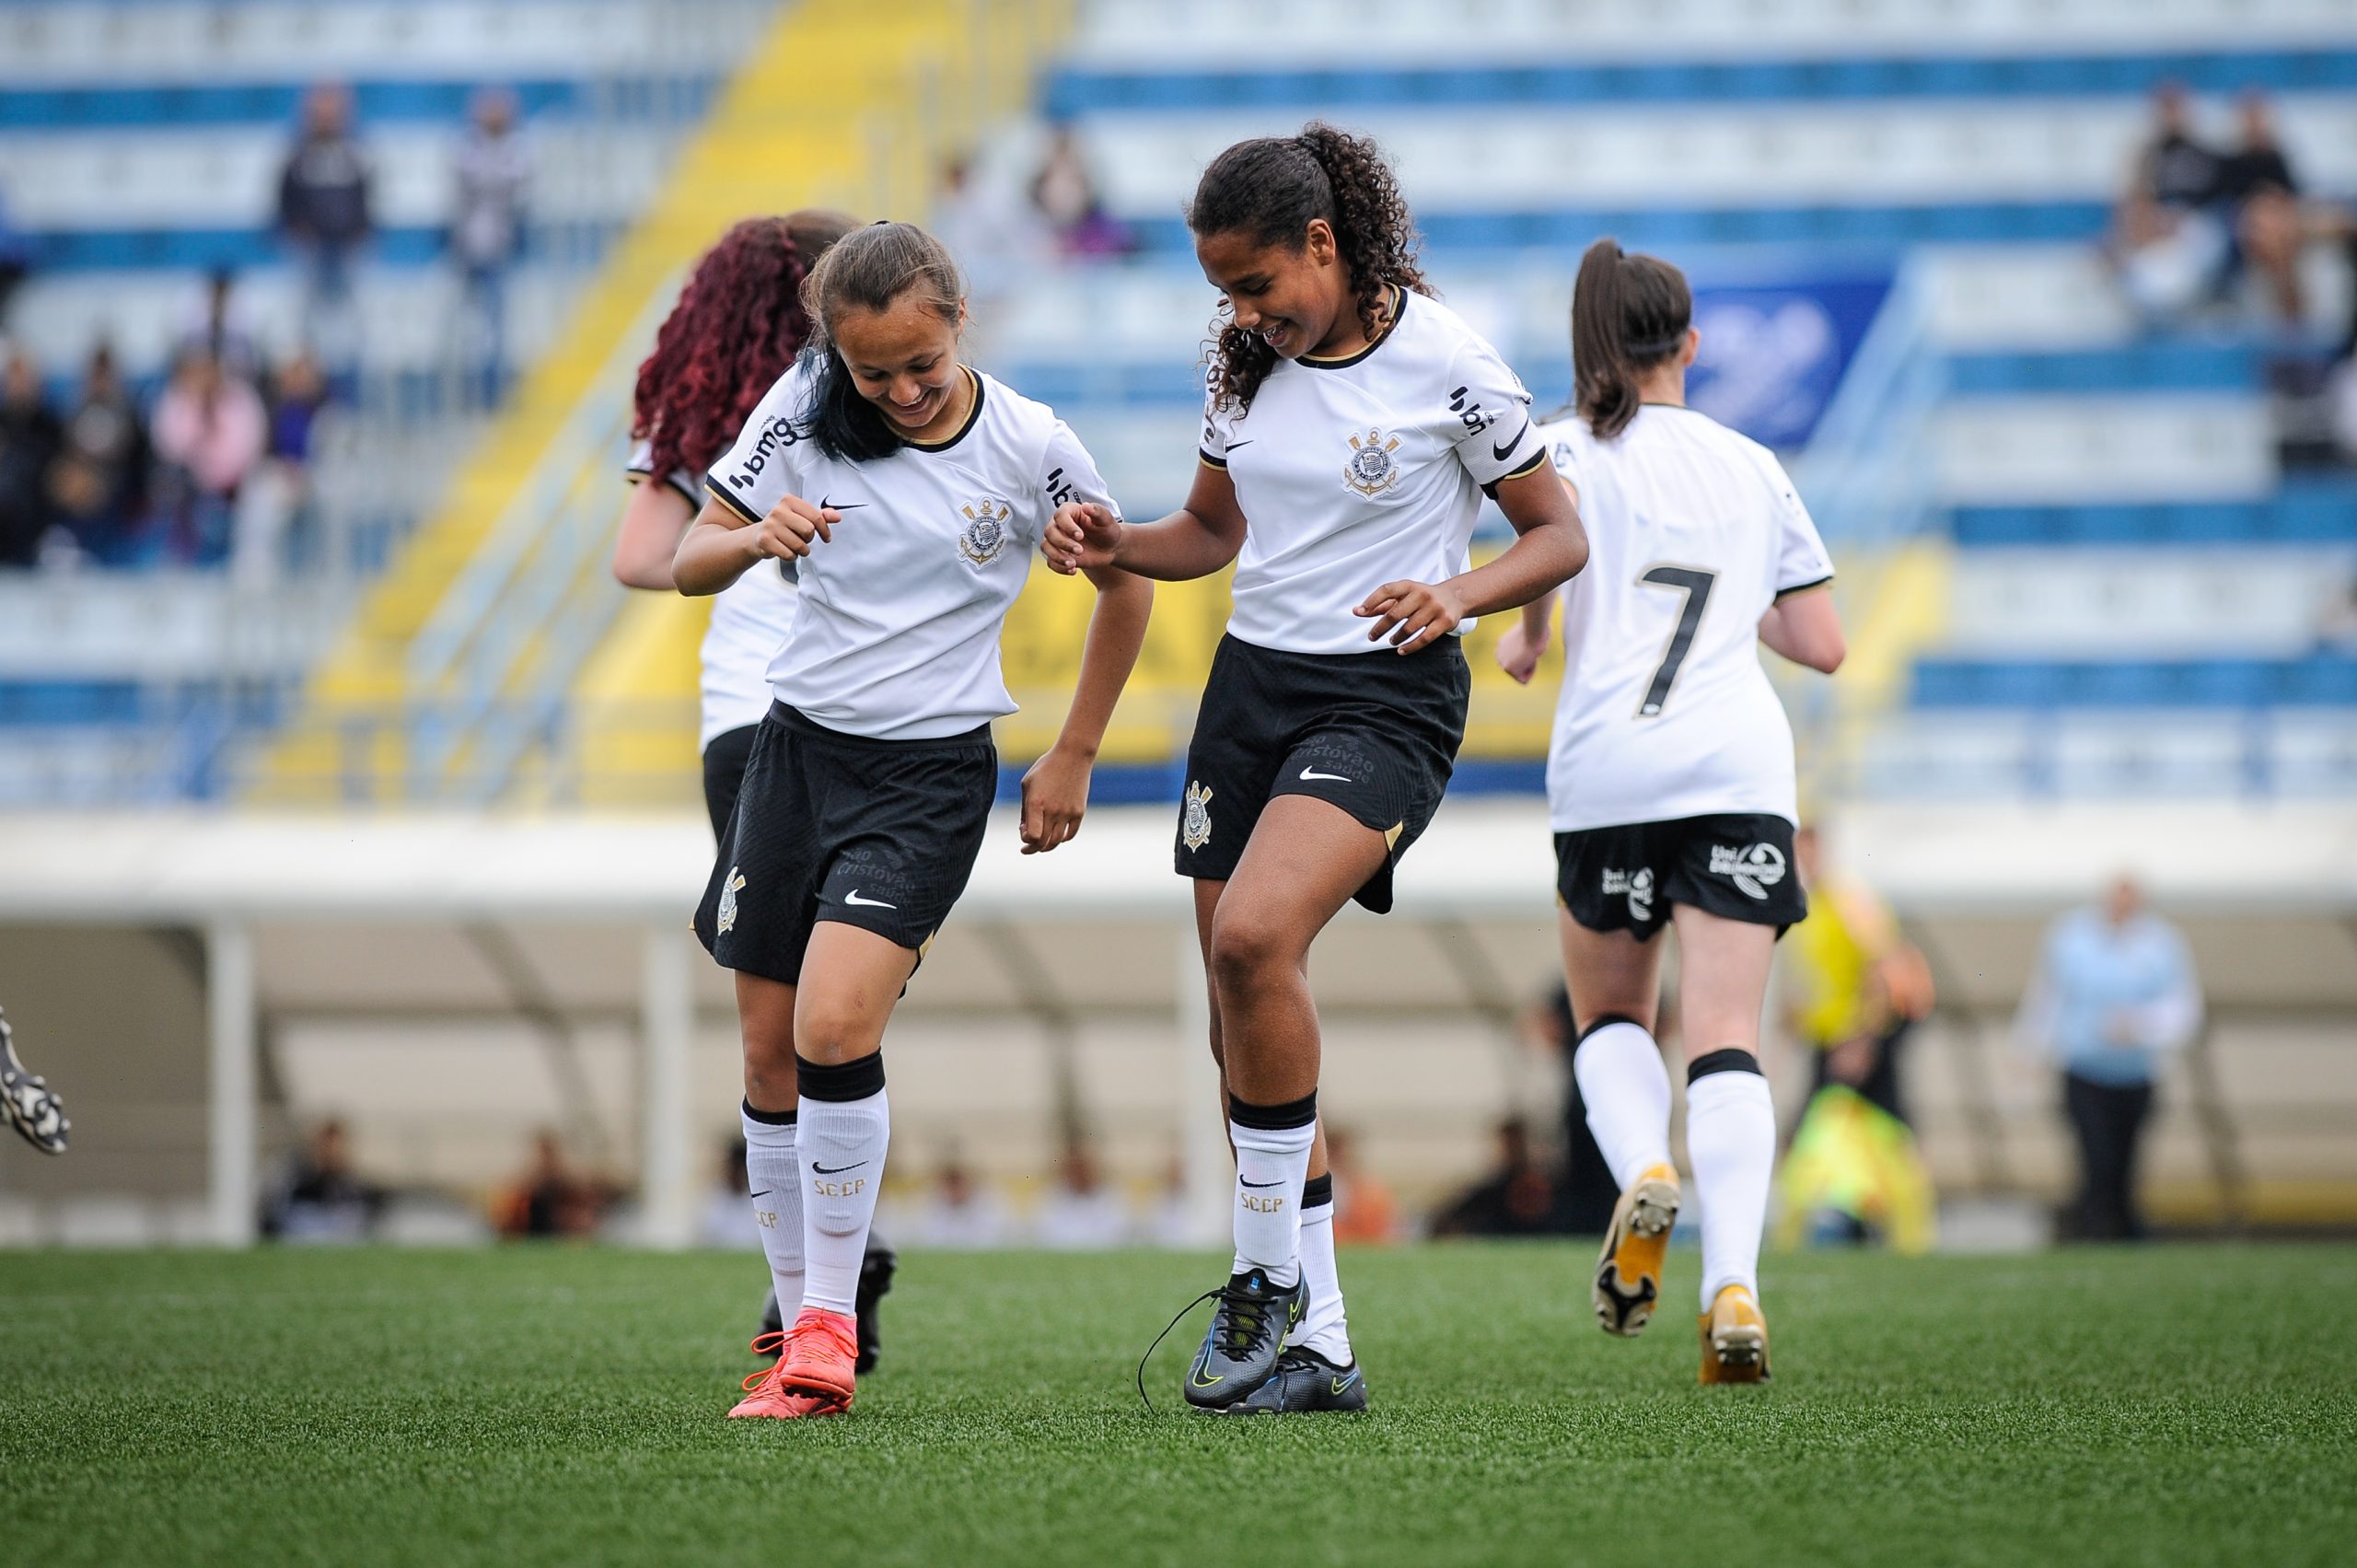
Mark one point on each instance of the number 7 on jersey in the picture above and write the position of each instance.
(1695, 584)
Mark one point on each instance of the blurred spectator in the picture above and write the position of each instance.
(2113, 993)
(727, 1217)
(320, 1199)
(99, 482)
(961, 1213)
(1364, 1210)
(30, 437)
(2169, 249)
(210, 431)
(995, 239)
(1588, 1191)
(490, 177)
(219, 324)
(1170, 1223)
(1515, 1198)
(323, 215)
(1063, 192)
(2258, 189)
(16, 259)
(1081, 1212)
(1853, 985)
(2337, 626)
(550, 1199)
(274, 506)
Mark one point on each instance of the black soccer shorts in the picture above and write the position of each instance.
(1737, 865)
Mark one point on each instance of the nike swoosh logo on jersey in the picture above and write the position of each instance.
(840, 506)
(853, 898)
(1502, 453)
(1233, 445)
(1337, 778)
(837, 1170)
(762, 1194)
(1256, 1186)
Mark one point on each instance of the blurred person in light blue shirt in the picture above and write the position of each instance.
(2113, 994)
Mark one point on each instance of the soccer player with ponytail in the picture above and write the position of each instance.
(1670, 783)
(1352, 426)
(906, 491)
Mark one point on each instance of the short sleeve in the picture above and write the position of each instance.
(1802, 561)
(761, 468)
(1068, 473)
(641, 468)
(1496, 438)
(1219, 424)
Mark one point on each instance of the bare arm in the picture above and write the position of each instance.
(1550, 548)
(653, 521)
(1526, 641)
(1194, 542)
(1055, 788)
(1806, 628)
(723, 544)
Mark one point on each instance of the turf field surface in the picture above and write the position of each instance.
(2180, 1404)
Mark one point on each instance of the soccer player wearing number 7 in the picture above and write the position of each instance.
(1351, 424)
(1670, 782)
(906, 491)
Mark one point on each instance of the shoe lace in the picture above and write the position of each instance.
(1174, 1322)
(770, 1343)
(1248, 1319)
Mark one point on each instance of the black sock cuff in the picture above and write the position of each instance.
(1275, 1117)
(844, 1081)
(771, 1118)
(1731, 1059)
(1315, 1191)
(1602, 1020)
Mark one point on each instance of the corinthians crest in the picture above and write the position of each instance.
(727, 912)
(1195, 826)
(1371, 471)
(985, 535)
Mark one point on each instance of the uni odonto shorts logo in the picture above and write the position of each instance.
(1195, 826)
(985, 532)
(728, 919)
(1371, 471)
(1755, 870)
(1638, 885)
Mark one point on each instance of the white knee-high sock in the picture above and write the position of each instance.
(773, 1180)
(1323, 1328)
(1626, 1089)
(1731, 1139)
(1272, 1145)
(846, 1125)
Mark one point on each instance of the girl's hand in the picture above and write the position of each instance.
(1080, 535)
(1520, 650)
(1055, 796)
(793, 525)
(1420, 611)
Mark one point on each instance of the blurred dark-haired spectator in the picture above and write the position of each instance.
(962, 1212)
(1064, 195)
(490, 176)
(727, 1218)
(323, 216)
(551, 1198)
(997, 240)
(210, 430)
(274, 512)
(2169, 249)
(100, 481)
(320, 1199)
(1588, 1191)
(1364, 1210)
(1081, 1211)
(2261, 193)
(16, 259)
(220, 324)
(1518, 1198)
(30, 437)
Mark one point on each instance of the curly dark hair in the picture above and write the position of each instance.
(1271, 188)
(738, 324)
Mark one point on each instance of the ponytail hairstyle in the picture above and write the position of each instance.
(1628, 313)
(1271, 188)
(738, 324)
(869, 269)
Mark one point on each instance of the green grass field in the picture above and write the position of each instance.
(2172, 1405)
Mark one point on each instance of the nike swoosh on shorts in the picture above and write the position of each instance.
(853, 898)
(1337, 778)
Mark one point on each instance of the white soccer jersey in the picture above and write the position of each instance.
(896, 637)
(1693, 532)
(1356, 472)
(749, 620)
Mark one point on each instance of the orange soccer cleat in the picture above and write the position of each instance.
(767, 1397)
(1735, 1338)
(1628, 1272)
(821, 1356)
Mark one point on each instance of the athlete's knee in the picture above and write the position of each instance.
(1248, 950)
(769, 1068)
(831, 1032)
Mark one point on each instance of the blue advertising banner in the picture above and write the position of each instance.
(1771, 356)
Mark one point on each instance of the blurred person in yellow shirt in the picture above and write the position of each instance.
(1854, 986)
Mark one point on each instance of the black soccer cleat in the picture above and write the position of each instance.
(29, 1105)
(876, 1272)
(1305, 1381)
(1248, 1334)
